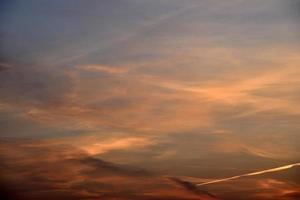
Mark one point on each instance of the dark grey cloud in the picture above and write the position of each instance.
(23, 83)
(190, 186)
(109, 169)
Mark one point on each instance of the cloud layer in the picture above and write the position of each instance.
(204, 89)
(43, 170)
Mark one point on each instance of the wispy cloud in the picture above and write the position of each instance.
(105, 69)
(95, 146)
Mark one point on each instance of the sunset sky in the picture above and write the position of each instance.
(150, 99)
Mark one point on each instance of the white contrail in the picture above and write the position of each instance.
(251, 174)
(143, 29)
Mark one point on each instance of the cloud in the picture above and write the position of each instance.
(264, 188)
(105, 69)
(276, 183)
(5, 66)
(190, 186)
(41, 170)
(94, 145)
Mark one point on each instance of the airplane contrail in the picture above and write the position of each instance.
(143, 29)
(251, 174)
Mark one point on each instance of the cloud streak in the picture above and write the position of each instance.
(251, 174)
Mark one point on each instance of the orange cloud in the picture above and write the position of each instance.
(44, 170)
(103, 68)
(93, 145)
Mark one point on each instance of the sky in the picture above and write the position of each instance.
(150, 99)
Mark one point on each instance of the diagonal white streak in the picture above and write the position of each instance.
(145, 28)
(251, 174)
